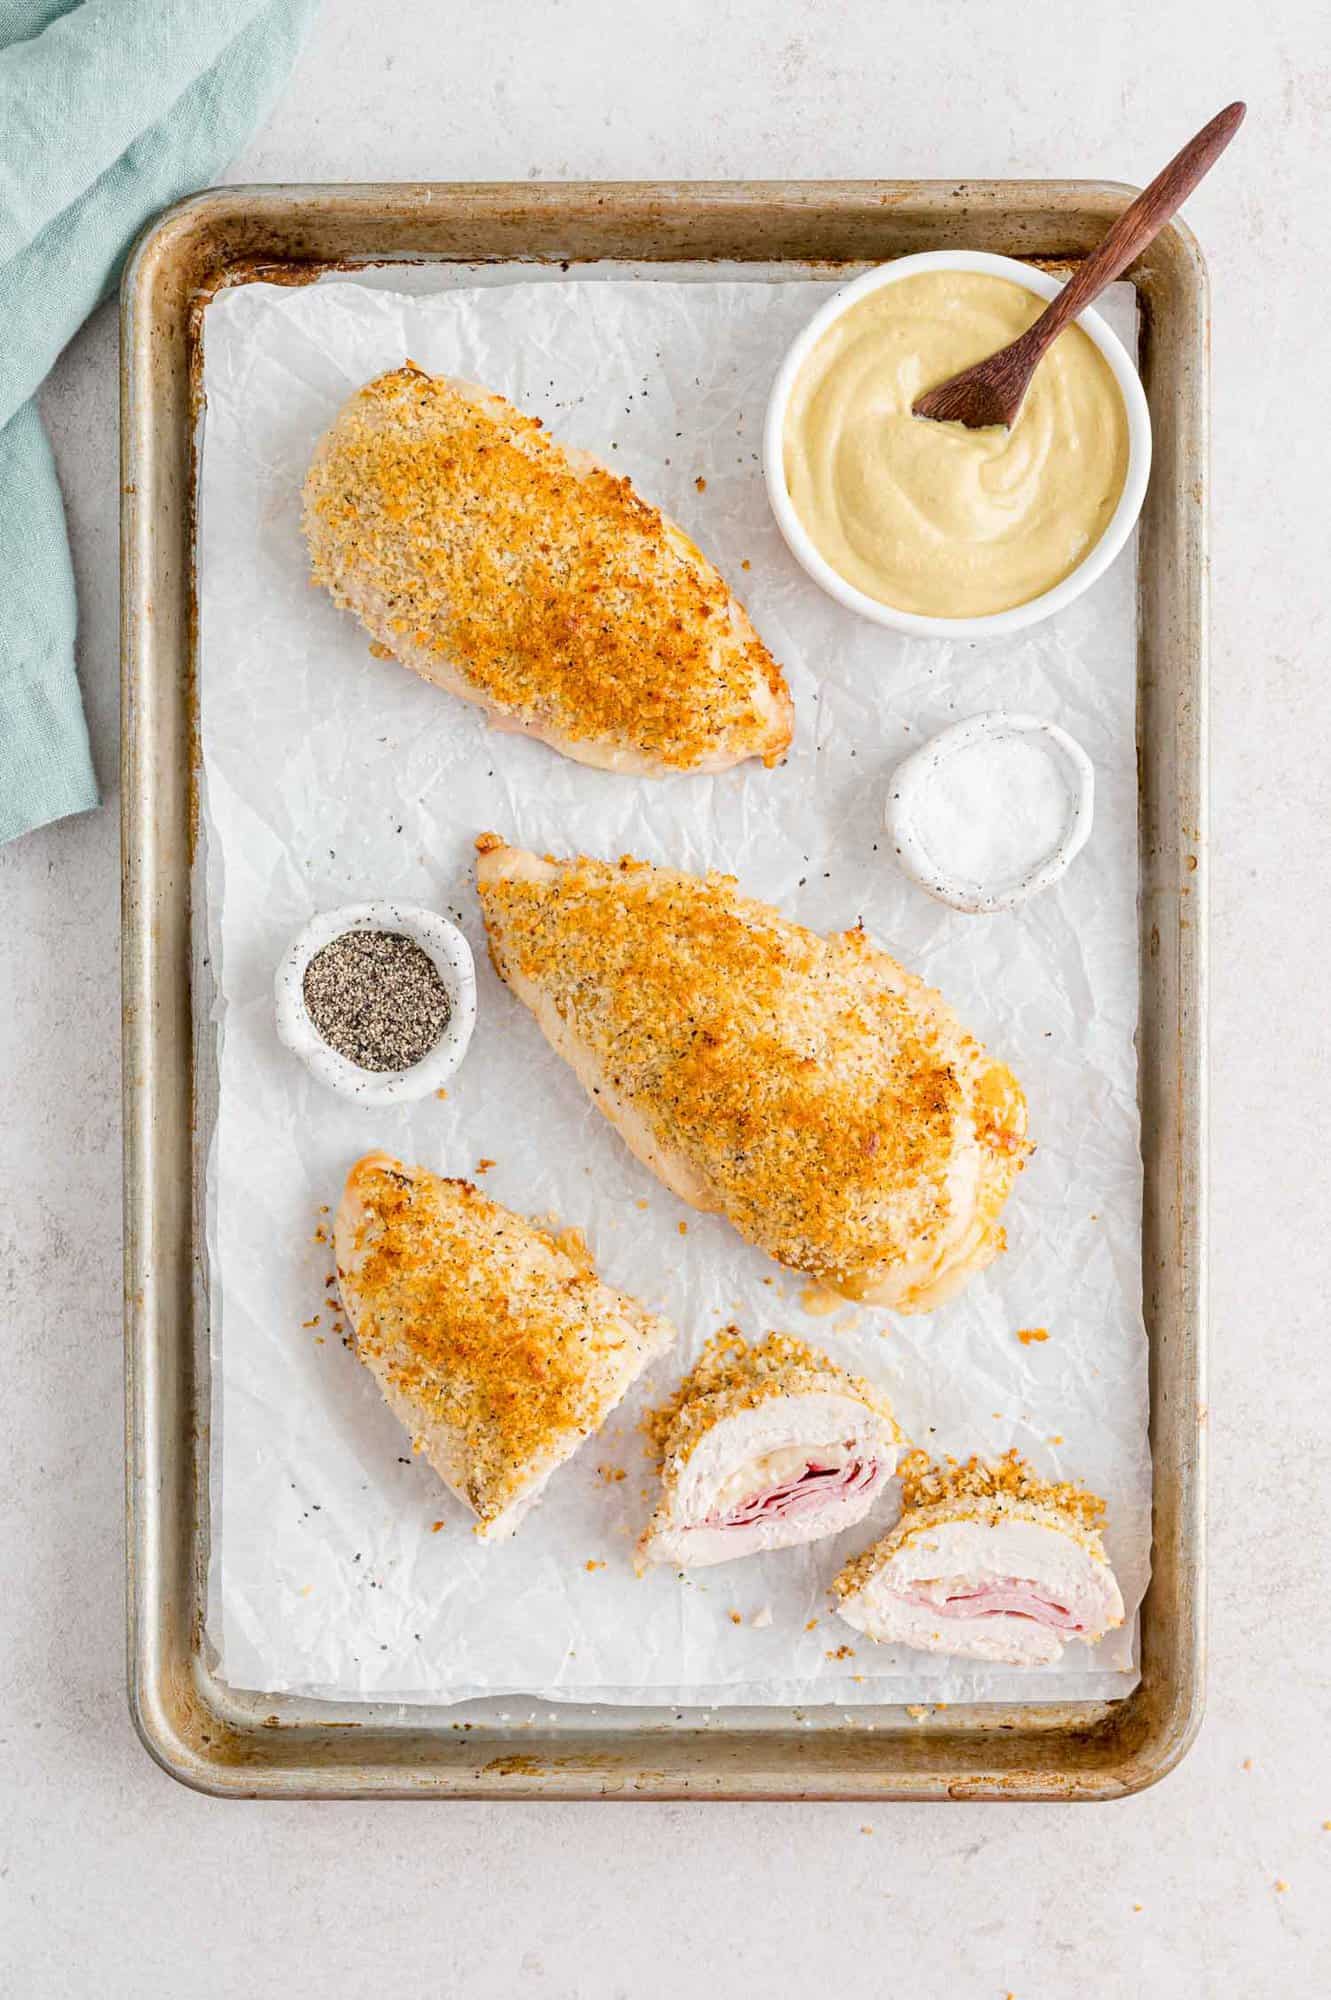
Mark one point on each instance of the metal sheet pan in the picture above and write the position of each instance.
(232, 1744)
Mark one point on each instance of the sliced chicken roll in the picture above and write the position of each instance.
(765, 1447)
(495, 1343)
(987, 1561)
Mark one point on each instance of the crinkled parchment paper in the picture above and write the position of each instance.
(330, 776)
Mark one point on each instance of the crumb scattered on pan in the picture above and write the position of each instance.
(812, 1622)
(441, 1093)
(320, 1234)
(1057, 1438)
(700, 483)
(435, 1526)
(311, 1322)
(746, 564)
(1028, 1335)
(917, 1710)
(1246, 1765)
(611, 1474)
(841, 1653)
(592, 1563)
(484, 1166)
(866, 1829)
(642, 1204)
(683, 1228)
(1281, 1885)
(735, 1617)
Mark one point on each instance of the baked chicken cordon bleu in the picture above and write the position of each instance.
(525, 576)
(493, 1342)
(764, 1447)
(822, 1098)
(988, 1561)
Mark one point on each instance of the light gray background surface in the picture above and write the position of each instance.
(113, 1881)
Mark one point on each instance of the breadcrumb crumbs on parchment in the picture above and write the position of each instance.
(866, 1829)
(1246, 1765)
(1029, 1335)
(700, 483)
(1281, 1885)
(812, 1622)
(735, 1617)
(311, 1322)
(483, 1166)
(840, 1653)
(611, 1474)
(435, 1526)
(593, 1563)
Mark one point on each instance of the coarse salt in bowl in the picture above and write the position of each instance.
(991, 811)
(991, 624)
(450, 954)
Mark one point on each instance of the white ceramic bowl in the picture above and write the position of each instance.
(908, 792)
(451, 954)
(1096, 560)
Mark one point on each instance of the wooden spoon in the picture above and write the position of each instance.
(991, 392)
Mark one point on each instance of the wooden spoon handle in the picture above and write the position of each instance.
(1140, 221)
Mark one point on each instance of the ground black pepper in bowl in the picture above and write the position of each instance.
(376, 998)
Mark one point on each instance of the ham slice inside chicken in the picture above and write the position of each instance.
(812, 1488)
(1006, 1597)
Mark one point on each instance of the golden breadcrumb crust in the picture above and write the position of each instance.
(730, 1375)
(497, 1334)
(565, 601)
(996, 1490)
(823, 1092)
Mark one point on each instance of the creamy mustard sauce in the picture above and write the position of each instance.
(935, 518)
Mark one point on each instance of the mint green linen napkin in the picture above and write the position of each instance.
(109, 110)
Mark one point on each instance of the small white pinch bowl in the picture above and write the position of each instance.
(992, 624)
(911, 778)
(441, 941)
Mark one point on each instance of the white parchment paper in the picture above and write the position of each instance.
(331, 776)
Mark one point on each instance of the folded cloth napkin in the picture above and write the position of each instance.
(109, 109)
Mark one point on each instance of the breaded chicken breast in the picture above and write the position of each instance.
(528, 578)
(765, 1447)
(495, 1344)
(989, 1562)
(826, 1101)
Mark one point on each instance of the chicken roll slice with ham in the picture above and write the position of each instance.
(764, 1447)
(987, 1561)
